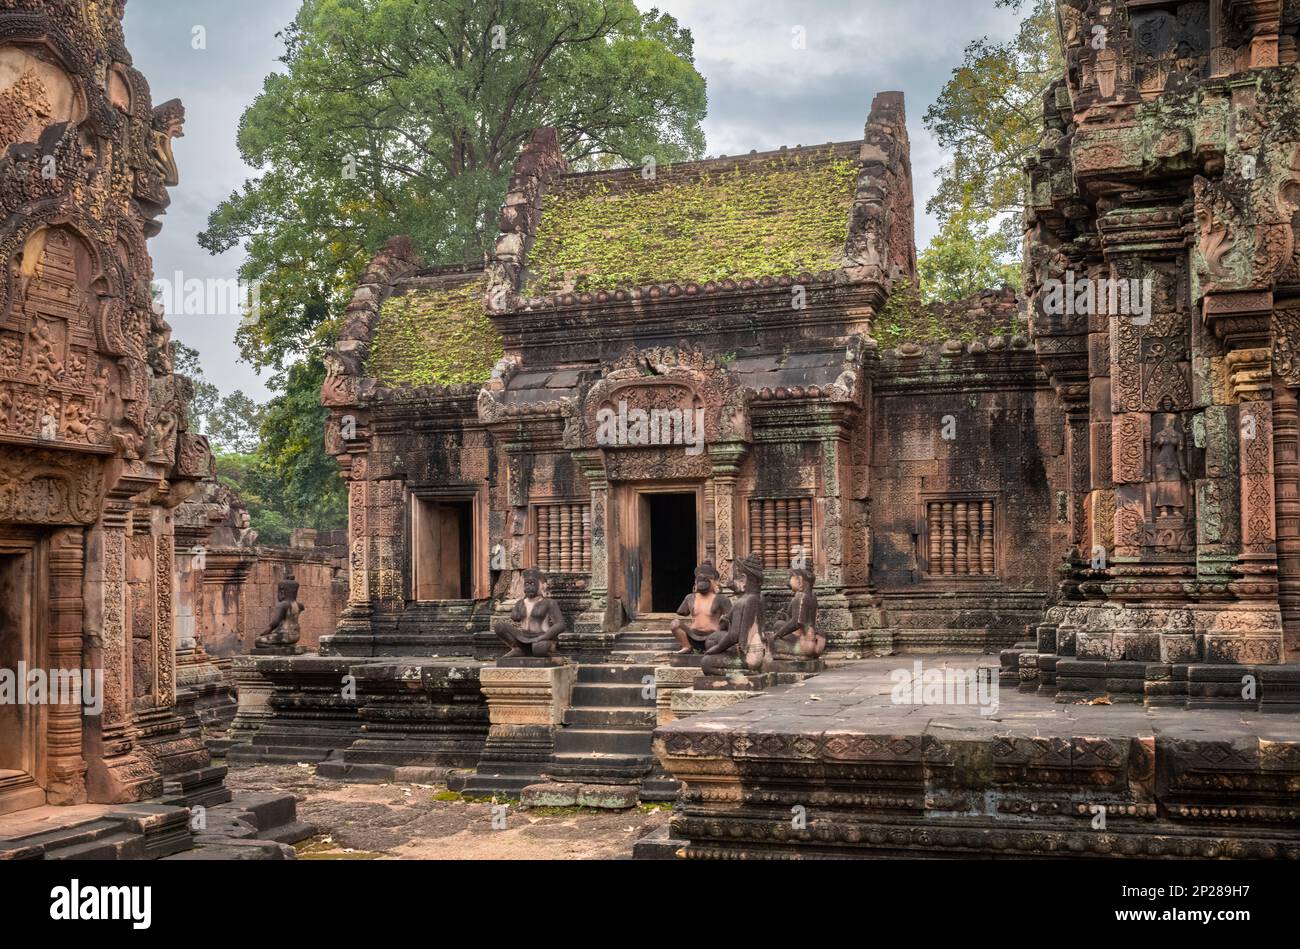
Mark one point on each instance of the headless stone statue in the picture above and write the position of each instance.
(284, 632)
(535, 623)
(796, 632)
(740, 644)
(703, 613)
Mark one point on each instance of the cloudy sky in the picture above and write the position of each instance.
(763, 93)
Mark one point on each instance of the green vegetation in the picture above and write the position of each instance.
(989, 119)
(780, 216)
(436, 336)
(964, 259)
(389, 117)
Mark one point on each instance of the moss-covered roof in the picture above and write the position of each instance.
(434, 331)
(775, 214)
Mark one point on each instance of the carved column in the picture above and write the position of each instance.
(1286, 475)
(726, 458)
(66, 767)
(1251, 632)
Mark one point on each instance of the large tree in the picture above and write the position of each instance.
(406, 116)
(989, 119)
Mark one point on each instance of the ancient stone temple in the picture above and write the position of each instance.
(666, 366)
(95, 454)
(1169, 179)
(674, 381)
(661, 371)
(1163, 281)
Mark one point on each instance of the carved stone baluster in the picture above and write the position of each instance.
(949, 541)
(544, 538)
(806, 527)
(768, 533)
(934, 530)
(961, 563)
(986, 538)
(565, 556)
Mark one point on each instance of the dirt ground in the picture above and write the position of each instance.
(426, 822)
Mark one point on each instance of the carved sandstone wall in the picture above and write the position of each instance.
(94, 453)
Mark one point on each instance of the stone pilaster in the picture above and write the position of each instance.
(65, 764)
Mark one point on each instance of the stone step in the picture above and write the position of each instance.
(615, 717)
(611, 696)
(611, 674)
(617, 741)
(118, 846)
(66, 837)
(601, 768)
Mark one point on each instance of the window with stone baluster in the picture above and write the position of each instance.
(958, 537)
(781, 530)
(562, 537)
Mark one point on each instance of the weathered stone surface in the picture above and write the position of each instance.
(877, 777)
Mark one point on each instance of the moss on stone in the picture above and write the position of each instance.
(771, 216)
(435, 336)
(906, 318)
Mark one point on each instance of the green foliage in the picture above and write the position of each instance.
(439, 335)
(233, 424)
(906, 318)
(780, 216)
(289, 481)
(185, 360)
(258, 490)
(989, 117)
(963, 259)
(406, 117)
(308, 489)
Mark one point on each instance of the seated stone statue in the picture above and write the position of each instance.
(703, 612)
(284, 629)
(796, 634)
(535, 623)
(740, 643)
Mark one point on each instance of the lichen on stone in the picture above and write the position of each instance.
(435, 335)
(770, 215)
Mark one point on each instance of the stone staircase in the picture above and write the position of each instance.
(605, 739)
(645, 640)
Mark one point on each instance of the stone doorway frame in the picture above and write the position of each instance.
(631, 537)
(31, 788)
(479, 574)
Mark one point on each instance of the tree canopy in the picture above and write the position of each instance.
(406, 117)
(989, 119)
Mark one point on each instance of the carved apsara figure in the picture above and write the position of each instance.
(284, 629)
(741, 643)
(1170, 467)
(703, 613)
(796, 632)
(535, 623)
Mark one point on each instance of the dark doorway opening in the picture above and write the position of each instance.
(673, 531)
(444, 550)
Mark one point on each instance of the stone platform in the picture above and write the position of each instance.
(252, 826)
(833, 767)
